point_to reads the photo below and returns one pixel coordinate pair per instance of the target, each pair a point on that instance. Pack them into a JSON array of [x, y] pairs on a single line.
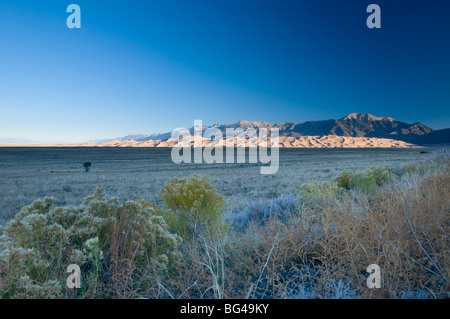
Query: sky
[[151, 66]]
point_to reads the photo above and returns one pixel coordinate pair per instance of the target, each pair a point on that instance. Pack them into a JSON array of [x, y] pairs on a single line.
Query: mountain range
[[353, 130], [353, 125]]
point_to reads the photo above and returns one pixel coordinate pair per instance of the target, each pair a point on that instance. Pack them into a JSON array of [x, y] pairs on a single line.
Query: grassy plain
[[309, 231], [27, 174]]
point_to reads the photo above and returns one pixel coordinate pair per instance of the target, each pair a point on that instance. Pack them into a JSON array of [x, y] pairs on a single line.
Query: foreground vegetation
[[317, 244]]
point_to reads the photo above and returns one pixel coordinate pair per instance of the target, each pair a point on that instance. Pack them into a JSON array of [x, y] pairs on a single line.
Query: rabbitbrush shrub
[[120, 247], [195, 205], [367, 181], [313, 193], [345, 179], [381, 174]]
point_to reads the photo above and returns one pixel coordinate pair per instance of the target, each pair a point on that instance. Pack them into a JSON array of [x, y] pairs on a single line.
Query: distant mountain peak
[[366, 117], [243, 123], [247, 124]]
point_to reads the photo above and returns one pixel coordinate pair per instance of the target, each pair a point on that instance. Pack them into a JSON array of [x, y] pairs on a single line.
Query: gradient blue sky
[[151, 66]]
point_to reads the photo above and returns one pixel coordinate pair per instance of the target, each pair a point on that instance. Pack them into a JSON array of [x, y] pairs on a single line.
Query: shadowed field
[[30, 173]]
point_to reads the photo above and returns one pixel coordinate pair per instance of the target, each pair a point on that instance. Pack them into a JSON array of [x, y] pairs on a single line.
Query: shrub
[[261, 211], [120, 247], [87, 166], [409, 169], [195, 205], [334, 289], [345, 179], [366, 182], [316, 192], [441, 157], [375, 176], [381, 174], [340, 290], [67, 188]]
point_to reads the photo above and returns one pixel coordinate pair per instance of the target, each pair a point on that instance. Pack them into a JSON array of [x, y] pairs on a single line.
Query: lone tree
[[87, 166]]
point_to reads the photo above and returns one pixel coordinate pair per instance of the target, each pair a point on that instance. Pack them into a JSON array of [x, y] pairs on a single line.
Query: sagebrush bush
[[120, 247], [441, 157], [195, 207], [261, 211]]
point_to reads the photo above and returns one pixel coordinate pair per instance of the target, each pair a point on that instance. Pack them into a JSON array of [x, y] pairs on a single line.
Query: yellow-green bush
[[367, 181], [409, 169], [102, 236], [372, 178], [381, 174], [345, 179], [195, 205], [316, 192]]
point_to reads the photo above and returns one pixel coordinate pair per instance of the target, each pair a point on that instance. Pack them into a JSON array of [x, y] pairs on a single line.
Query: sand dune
[[329, 141]]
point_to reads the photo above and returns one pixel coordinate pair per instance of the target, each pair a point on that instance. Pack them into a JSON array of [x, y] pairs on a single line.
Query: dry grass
[[318, 250], [27, 173], [403, 227]]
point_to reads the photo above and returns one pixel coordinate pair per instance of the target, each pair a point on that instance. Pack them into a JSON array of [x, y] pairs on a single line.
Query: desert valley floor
[[27, 174]]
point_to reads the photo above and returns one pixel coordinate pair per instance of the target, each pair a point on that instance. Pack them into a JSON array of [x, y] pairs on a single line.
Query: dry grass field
[[27, 174], [225, 231]]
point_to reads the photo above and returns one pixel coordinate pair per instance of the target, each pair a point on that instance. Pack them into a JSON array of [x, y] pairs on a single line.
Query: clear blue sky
[[150, 66]]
